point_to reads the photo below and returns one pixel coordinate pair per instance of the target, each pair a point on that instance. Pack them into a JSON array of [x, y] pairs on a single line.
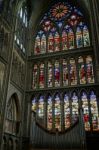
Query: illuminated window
[[67, 115], [65, 73], [85, 107], [57, 112], [73, 75], [49, 112], [89, 68], [35, 77], [41, 76], [74, 107], [57, 73], [94, 111], [34, 104], [50, 74], [82, 71]]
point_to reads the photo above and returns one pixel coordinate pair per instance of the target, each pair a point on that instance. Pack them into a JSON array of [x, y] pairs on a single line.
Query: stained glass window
[[67, 117], [74, 107], [35, 77], [82, 71], [79, 41], [43, 44], [50, 74], [94, 111], [64, 40], [60, 10], [57, 112], [41, 76], [37, 45], [71, 38], [65, 72], [86, 36], [57, 73], [57, 41], [49, 113], [85, 107], [34, 104], [40, 111], [51, 43], [89, 69], [73, 75]]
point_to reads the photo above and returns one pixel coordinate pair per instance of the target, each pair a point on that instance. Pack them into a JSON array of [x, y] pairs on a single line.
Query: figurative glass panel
[[74, 107], [50, 43], [49, 113], [94, 111], [57, 73], [43, 44], [50, 74], [82, 71], [41, 76], [67, 117], [35, 77], [71, 39], [65, 72], [86, 36], [73, 75], [34, 108], [85, 107], [37, 45], [79, 41], [57, 42], [57, 113], [64, 41], [89, 70]]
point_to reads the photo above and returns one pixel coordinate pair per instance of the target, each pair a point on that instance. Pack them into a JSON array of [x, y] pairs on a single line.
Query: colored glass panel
[[71, 39], [50, 43], [50, 73], [57, 73], [67, 111], [35, 77], [57, 41], [34, 104], [41, 76], [89, 69], [41, 108], [86, 36], [59, 11], [94, 111], [85, 111], [74, 107], [73, 75], [43, 44], [64, 41], [47, 24], [49, 113], [57, 113], [65, 73], [82, 71], [79, 41], [37, 45]]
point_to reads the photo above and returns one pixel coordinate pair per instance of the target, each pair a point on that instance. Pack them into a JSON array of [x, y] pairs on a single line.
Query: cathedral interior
[[49, 74]]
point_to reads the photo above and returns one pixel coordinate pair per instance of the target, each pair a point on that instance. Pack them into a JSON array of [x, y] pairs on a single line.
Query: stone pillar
[[94, 18]]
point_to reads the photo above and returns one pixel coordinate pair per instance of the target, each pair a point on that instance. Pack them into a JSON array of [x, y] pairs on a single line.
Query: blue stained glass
[[59, 24]]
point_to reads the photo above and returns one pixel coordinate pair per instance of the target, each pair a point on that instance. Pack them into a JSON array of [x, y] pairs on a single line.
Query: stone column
[[94, 19]]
